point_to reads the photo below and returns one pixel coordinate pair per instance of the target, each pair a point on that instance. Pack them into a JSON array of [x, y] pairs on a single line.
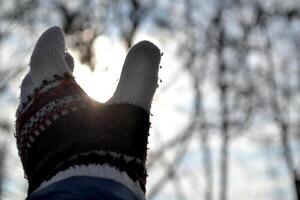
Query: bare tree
[[282, 82], [2, 161], [281, 97]]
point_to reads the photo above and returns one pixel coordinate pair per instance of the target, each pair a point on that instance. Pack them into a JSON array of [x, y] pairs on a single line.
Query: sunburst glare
[[101, 83]]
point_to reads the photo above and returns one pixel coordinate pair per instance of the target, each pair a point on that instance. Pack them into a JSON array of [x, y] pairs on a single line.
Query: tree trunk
[[207, 160], [224, 112], [297, 184], [288, 156]]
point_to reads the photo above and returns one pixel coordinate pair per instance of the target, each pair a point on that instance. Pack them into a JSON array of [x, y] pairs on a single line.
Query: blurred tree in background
[[231, 82]]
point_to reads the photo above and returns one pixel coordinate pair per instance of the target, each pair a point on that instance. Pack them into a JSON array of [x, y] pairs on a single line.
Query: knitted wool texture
[[58, 126]]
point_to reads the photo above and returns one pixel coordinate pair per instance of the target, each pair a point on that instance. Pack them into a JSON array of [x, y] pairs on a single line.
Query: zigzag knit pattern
[[60, 127]]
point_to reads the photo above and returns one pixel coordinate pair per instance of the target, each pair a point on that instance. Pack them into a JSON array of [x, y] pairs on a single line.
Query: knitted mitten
[[61, 132]]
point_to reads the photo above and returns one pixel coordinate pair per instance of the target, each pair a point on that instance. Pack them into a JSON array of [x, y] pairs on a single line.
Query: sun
[[98, 85], [102, 82]]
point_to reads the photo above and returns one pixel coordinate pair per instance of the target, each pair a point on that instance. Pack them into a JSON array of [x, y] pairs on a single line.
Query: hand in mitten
[[61, 132]]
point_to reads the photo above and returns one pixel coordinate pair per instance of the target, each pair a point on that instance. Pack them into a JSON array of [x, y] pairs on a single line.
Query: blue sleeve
[[84, 188]]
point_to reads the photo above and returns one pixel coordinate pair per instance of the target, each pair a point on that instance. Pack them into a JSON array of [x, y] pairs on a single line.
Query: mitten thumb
[[139, 76]]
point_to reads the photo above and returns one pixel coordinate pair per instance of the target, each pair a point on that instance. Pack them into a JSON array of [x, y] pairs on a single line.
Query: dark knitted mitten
[[61, 132]]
